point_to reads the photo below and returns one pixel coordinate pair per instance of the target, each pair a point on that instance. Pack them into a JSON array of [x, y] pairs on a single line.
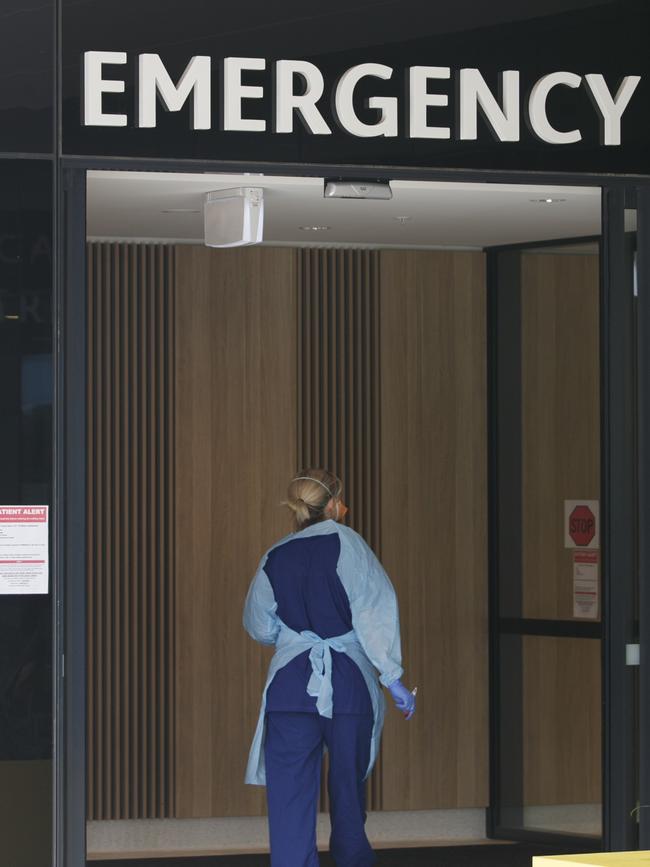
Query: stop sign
[[582, 525]]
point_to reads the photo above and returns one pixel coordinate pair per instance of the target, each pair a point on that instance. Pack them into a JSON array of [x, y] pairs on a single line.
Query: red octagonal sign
[[582, 525]]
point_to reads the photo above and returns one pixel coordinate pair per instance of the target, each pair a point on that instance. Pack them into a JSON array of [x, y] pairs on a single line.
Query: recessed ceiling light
[[314, 228], [547, 201], [181, 211]]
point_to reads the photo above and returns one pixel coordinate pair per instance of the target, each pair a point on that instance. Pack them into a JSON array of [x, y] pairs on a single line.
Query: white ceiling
[[135, 206]]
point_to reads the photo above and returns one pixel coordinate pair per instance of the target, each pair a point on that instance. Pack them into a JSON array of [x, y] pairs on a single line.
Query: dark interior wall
[[26, 391]]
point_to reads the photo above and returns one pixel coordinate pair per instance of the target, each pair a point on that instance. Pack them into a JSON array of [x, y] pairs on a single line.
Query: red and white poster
[[585, 584], [24, 549]]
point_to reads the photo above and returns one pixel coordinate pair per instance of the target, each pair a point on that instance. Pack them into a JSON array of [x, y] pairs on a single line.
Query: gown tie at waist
[[290, 644], [320, 657]]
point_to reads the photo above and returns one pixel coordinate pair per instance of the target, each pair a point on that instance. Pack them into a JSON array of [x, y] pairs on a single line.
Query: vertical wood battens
[[131, 521], [338, 385], [338, 374], [171, 538]]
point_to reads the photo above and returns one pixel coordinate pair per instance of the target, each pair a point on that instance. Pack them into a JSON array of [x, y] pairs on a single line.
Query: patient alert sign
[[23, 549], [581, 524], [585, 584]]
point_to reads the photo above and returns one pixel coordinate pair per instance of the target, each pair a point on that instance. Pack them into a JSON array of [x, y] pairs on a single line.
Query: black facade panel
[[27, 77], [535, 38]]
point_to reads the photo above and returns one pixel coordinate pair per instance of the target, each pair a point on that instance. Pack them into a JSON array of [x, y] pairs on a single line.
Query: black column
[[618, 468], [643, 475], [70, 531]]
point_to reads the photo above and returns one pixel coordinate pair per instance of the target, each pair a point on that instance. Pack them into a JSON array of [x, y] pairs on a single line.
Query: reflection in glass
[[25, 478]]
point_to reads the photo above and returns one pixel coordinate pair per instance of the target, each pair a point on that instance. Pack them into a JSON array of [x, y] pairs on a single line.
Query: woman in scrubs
[[321, 596]]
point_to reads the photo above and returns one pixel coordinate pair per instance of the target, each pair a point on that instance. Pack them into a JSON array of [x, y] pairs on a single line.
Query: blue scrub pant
[[293, 748]]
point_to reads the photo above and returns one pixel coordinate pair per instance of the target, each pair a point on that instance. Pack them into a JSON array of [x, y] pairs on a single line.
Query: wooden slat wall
[[131, 618], [338, 376], [339, 389], [373, 349], [236, 450], [434, 522]]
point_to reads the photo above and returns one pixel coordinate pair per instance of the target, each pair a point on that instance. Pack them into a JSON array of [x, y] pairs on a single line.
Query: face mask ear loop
[[311, 479]]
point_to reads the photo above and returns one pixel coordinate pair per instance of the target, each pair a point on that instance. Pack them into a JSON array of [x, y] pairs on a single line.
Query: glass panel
[[546, 331], [562, 734], [548, 442], [551, 737], [25, 479], [560, 387]]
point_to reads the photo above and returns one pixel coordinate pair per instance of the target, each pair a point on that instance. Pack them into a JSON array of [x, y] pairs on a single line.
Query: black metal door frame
[[625, 499], [643, 475], [69, 544], [508, 626], [618, 427], [618, 523]]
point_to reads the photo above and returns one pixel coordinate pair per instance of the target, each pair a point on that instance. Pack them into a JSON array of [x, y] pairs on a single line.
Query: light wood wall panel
[[434, 522], [131, 617], [236, 449], [339, 391], [561, 417]]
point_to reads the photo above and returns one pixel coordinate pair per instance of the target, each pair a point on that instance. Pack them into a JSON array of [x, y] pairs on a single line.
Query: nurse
[[321, 596]]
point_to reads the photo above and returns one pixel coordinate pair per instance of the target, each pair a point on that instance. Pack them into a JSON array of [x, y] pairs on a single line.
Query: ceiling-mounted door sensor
[[342, 189]]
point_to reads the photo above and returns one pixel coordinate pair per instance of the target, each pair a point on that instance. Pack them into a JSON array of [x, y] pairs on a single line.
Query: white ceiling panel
[[167, 207]]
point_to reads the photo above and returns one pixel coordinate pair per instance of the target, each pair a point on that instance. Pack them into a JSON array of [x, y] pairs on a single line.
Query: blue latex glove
[[403, 698]]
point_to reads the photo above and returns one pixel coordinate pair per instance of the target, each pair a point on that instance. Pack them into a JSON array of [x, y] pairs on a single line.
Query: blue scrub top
[[310, 596], [322, 579]]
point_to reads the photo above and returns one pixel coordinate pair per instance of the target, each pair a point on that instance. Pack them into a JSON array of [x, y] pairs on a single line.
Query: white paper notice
[[585, 584], [23, 549]]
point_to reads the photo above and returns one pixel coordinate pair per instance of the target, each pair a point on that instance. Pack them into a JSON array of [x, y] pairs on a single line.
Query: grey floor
[[510, 855]]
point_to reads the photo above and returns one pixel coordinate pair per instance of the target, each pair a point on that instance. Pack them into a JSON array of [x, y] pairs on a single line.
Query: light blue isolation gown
[[373, 643]]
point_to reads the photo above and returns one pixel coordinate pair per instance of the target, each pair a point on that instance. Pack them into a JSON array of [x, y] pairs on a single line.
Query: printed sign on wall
[[23, 549], [581, 524], [585, 584]]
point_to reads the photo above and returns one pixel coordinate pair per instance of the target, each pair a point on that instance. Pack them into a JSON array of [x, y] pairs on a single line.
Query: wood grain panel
[[561, 417], [434, 522], [131, 530], [339, 391], [562, 720], [236, 449]]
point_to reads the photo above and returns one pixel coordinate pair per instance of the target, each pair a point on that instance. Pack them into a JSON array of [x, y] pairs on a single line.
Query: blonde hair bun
[[309, 493]]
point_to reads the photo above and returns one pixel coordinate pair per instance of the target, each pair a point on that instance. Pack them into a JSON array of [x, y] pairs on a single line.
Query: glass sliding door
[[570, 534], [546, 586]]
